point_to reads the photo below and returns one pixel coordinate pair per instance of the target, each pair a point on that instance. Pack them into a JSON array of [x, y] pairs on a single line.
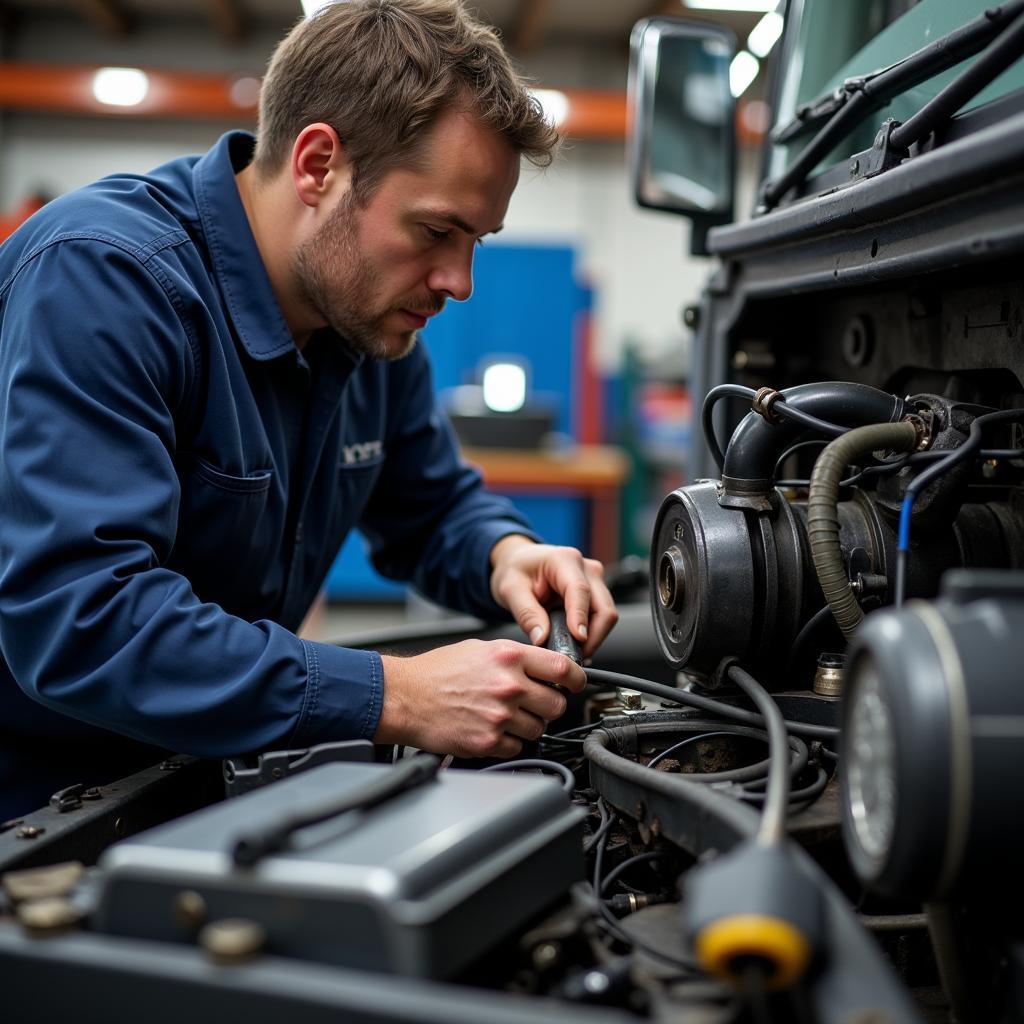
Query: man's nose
[[453, 277]]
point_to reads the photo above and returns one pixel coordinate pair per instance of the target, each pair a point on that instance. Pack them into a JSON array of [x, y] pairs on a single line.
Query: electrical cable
[[537, 764], [580, 730], [800, 754], [776, 804], [817, 442], [602, 829], [620, 869], [611, 923], [806, 420], [804, 794], [606, 679], [971, 445], [707, 409], [658, 758], [888, 468], [779, 408], [806, 631]]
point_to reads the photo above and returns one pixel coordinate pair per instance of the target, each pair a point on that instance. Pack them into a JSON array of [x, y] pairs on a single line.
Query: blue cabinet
[[526, 302]]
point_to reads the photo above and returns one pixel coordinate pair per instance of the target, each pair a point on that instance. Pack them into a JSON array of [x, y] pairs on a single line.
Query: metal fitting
[[763, 401], [922, 424], [828, 676], [631, 700]]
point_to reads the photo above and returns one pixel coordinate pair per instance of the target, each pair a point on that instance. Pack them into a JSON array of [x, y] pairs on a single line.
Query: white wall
[[636, 260]]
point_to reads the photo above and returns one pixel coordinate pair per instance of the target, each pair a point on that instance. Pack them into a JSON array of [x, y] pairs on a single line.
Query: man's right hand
[[474, 699]]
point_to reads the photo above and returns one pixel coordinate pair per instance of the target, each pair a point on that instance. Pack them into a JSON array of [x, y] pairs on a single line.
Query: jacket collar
[[237, 264]]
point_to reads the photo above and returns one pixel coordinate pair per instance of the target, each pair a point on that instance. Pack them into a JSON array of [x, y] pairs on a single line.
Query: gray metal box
[[420, 886]]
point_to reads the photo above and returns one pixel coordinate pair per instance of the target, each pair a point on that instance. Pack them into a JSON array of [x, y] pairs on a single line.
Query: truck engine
[[787, 793]]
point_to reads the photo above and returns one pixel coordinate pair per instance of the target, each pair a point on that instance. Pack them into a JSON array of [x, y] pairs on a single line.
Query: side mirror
[[682, 114]]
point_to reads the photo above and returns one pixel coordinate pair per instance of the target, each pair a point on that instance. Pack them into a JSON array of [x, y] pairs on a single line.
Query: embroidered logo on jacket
[[362, 451]]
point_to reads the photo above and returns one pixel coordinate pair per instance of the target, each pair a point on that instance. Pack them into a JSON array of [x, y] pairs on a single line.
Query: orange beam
[[68, 90], [595, 115], [592, 114]]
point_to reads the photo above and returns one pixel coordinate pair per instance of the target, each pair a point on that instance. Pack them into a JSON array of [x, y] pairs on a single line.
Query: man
[[209, 374]]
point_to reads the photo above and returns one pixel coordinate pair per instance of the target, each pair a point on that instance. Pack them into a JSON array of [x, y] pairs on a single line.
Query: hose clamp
[[763, 401], [921, 421]]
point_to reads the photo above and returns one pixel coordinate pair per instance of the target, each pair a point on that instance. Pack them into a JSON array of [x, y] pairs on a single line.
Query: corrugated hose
[[823, 515]]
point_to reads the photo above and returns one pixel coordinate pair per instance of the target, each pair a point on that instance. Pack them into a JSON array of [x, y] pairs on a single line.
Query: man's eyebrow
[[453, 218]]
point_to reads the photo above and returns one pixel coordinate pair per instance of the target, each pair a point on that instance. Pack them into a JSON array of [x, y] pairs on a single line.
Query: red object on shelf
[[11, 221]]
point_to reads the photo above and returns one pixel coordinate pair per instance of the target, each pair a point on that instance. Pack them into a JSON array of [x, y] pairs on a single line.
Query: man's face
[[375, 272]]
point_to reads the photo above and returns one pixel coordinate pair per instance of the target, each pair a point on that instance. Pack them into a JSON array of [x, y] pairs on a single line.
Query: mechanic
[[209, 374]]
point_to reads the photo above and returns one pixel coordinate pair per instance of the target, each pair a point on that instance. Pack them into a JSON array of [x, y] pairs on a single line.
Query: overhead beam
[[228, 19], [68, 90], [106, 15], [531, 24], [590, 113]]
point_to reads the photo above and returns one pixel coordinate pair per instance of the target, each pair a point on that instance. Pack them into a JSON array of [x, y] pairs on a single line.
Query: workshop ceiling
[[526, 24]]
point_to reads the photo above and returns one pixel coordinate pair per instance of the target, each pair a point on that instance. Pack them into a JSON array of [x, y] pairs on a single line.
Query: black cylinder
[[732, 581]]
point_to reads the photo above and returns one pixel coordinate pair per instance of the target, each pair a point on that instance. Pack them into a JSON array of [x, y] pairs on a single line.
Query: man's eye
[[434, 233]]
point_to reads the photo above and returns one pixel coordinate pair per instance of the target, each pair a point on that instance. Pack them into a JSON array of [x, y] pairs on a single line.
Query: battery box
[[421, 885]]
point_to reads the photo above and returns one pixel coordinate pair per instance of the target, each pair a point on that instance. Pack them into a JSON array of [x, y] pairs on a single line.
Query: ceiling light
[[245, 92], [742, 71], [555, 105], [731, 5], [120, 87], [504, 387], [765, 34]]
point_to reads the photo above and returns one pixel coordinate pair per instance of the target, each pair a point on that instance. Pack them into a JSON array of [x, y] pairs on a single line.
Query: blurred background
[[566, 371]]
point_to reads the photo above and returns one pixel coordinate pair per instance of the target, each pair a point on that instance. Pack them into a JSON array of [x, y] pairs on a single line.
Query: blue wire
[[903, 540]]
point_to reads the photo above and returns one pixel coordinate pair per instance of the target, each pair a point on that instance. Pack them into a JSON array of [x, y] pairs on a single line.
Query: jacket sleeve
[[429, 519], [96, 366]]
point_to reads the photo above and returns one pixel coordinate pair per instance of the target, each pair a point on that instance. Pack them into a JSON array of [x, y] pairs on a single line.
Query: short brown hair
[[380, 72]]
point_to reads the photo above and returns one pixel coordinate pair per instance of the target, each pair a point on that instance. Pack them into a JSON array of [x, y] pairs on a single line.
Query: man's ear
[[319, 164]]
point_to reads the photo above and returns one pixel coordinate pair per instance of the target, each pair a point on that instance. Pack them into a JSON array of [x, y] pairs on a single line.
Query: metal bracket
[[239, 778], [882, 156]]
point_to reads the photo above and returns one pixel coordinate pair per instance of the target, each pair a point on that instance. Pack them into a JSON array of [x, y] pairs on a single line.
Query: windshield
[[833, 40]]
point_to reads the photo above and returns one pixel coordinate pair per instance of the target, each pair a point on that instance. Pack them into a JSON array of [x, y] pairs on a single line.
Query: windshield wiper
[[860, 97], [819, 110]]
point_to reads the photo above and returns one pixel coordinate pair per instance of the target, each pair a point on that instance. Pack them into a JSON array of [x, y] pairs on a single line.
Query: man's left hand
[[526, 576]]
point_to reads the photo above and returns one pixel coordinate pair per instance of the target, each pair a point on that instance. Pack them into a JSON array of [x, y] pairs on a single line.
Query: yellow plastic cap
[[723, 945]]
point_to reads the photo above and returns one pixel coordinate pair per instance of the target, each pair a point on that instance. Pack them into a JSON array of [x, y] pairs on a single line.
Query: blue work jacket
[[176, 478]]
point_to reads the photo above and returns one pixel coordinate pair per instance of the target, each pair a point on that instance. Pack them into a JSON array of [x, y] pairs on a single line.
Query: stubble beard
[[341, 284]]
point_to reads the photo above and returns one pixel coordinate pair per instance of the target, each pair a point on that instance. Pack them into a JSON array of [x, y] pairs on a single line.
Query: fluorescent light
[[120, 87], [555, 105], [310, 7], [765, 34], [731, 5], [245, 92], [504, 386], [742, 71]]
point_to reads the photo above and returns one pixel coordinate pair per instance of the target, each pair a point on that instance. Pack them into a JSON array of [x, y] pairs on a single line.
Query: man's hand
[[474, 699], [527, 576]]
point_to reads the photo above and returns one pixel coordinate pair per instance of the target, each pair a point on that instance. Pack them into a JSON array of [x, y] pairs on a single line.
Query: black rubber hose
[[772, 829], [757, 444], [695, 700], [736, 821], [823, 515], [537, 764]]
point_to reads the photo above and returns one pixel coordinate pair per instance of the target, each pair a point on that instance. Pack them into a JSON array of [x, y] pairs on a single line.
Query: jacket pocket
[[251, 484], [230, 531]]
